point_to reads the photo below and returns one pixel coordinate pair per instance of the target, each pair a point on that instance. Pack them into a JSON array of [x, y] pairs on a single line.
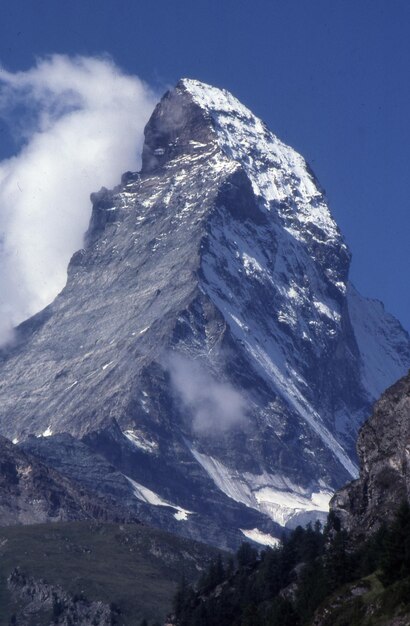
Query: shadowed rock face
[[35, 597], [222, 251], [31, 492], [384, 451]]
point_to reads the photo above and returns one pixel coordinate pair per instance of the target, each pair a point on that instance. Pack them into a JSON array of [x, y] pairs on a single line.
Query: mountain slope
[[74, 562], [210, 316], [31, 492]]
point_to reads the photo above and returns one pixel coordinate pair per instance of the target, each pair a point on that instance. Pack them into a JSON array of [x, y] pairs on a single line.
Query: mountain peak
[[177, 126], [209, 315], [212, 98], [194, 117]]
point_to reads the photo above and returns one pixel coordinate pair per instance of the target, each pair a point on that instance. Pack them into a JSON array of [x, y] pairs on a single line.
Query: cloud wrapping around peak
[[79, 122], [214, 406]]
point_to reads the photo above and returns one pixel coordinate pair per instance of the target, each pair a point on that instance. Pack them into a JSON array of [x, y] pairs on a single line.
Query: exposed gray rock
[[31, 492], [85, 464], [37, 597], [384, 449]]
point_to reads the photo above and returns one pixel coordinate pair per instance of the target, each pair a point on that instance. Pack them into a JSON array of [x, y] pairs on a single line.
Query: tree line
[[284, 586]]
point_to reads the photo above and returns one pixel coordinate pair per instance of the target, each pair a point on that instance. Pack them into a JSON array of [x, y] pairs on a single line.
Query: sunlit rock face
[[208, 342]]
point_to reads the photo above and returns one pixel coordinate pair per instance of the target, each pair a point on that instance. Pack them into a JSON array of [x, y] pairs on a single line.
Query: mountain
[[208, 344], [372, 500]]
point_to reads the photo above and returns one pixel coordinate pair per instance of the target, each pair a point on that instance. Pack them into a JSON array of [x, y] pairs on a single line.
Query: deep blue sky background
[[332, 79]]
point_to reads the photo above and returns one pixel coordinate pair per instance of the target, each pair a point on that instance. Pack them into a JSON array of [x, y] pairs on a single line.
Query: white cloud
[[80, 122], [214, 406]]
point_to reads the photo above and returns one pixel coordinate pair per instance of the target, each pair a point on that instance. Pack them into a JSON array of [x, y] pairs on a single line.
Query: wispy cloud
[[80, 125], [214, 406]]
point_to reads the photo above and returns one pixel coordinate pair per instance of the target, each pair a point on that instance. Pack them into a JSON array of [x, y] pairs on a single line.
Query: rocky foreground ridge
[[384, 451]]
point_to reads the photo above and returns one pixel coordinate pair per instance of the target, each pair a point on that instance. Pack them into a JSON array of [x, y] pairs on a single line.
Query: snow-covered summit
[[275, 169]]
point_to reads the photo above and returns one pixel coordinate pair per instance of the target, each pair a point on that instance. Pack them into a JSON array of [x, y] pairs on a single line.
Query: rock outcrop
[[32, 493], [39, 599], [384, 451]]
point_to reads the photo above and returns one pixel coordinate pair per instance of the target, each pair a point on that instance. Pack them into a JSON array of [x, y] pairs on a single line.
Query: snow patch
[[251, 265], [72, 385], [150, 497], [181, 515], [272, 494], [138, 439], [327, 311], [144, 330], [259, 537]]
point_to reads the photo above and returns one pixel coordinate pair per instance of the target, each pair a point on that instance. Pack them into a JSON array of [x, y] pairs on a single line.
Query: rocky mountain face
[[383, 448], [208, 344], [32, 493], [38, 599]]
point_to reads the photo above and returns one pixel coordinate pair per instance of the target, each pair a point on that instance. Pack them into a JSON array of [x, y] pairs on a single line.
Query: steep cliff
[[384, 452]]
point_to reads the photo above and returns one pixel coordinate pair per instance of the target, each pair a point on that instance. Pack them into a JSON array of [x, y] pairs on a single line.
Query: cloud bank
[[79, 122], [214, 406]]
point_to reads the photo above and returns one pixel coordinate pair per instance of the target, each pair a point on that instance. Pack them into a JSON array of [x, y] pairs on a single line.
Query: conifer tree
[[246, 555], [396, 559]]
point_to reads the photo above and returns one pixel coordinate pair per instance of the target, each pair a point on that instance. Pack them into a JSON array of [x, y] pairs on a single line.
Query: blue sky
[[329, 78]]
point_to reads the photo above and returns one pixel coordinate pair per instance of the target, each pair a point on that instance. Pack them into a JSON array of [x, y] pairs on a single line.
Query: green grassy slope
[[134, 566], [366, 602]]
